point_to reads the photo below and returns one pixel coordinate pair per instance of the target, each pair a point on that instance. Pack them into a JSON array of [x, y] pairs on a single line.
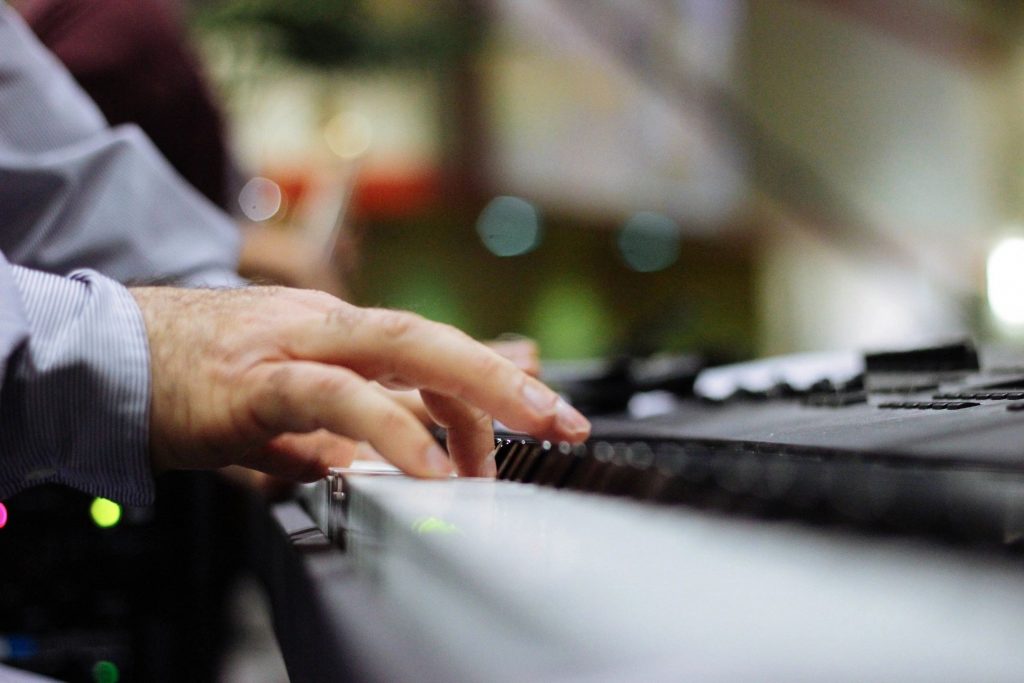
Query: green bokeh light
[[104, 671], [105, 513], [430, 295], [435, 525], [569, 321]]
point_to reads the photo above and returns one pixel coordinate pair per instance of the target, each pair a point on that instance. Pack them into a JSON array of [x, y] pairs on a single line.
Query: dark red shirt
[[132, 57]]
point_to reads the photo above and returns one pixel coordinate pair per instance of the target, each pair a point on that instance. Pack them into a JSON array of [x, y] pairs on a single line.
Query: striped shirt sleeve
[[74, 400]]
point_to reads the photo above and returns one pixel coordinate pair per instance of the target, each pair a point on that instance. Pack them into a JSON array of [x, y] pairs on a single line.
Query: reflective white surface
[[514, 581]]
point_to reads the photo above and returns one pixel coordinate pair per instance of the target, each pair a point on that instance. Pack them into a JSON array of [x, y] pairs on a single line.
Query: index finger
[[404, 348]]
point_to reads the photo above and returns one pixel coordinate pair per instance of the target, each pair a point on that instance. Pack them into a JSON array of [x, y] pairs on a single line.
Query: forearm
[[74, 401]]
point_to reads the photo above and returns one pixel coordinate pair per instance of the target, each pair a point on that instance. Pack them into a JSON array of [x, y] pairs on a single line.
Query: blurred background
[[722, 178], [733, 177]]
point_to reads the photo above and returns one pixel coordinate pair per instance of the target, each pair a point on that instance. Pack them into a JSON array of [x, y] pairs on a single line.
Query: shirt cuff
[[76, 404]]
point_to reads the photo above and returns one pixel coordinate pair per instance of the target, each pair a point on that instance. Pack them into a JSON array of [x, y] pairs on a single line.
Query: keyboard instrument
[[862, 526]]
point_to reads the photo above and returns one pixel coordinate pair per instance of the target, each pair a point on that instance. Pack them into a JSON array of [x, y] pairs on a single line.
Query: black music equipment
[[677, 546]]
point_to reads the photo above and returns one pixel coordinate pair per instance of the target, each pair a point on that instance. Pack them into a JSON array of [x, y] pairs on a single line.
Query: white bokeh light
[[1006, 281], [349, 135], [260, 199]]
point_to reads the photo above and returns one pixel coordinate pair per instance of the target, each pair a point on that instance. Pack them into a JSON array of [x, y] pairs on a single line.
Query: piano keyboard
[[508, 582], [623, 558], [766, 480]]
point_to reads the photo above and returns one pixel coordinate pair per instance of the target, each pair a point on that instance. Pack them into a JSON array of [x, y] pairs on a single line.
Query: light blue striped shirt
[[76, 194]]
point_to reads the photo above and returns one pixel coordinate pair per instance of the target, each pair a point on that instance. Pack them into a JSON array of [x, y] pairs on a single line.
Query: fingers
[[302, 457], [267, 485], [522, 352], [297, 396], [402, 348], [412, 402], [470, 434]]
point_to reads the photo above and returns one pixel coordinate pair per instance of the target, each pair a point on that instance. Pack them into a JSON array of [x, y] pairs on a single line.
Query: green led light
[[434, 525], [104, 671], [105, 513]]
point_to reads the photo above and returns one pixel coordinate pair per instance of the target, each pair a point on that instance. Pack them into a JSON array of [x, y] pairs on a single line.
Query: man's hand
[[280, 379]]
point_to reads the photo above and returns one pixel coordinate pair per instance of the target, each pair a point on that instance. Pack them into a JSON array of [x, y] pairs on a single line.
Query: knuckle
[[273, 389], [455, 333], [334, 384], [489, 365], [317, 299], [342, 316], [256, 411], [397, 324], [479, 419], [392, 421]]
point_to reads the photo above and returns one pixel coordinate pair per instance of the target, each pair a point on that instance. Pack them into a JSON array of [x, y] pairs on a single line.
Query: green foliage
[[330, 33]]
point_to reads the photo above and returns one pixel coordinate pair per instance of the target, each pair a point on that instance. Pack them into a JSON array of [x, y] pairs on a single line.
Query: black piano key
[[530, 463], [586, 465], [501, 448], [522, 454], [812, 478], [778, 477], [513, 451], [765, 479], [617, 476], [577, 457], [681, 472], [601, 465], [640, 461], [736, 470], [552, 467]]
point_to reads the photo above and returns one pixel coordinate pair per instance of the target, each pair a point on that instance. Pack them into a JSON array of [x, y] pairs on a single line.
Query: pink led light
[[3, 515]]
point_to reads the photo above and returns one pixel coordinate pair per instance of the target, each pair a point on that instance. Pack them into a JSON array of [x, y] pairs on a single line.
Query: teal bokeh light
[[649, 242], [509, 226]]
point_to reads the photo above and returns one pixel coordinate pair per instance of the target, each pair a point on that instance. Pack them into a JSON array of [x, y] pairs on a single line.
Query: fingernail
[[540, 399], [437, 461], [569, 419]]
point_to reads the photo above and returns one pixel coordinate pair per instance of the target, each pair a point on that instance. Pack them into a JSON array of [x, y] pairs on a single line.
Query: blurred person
[[132, 57], [195, 377]]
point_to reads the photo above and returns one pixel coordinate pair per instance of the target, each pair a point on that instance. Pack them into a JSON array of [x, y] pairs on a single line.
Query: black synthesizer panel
[[928, 441]]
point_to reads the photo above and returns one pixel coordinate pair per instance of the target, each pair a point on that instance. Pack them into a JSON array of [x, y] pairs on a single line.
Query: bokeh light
[[105, 513], [14, 648], [509, 226], [105, 671], [349, 135], [3, 515], [435, 525], [649, 242], [433, 297], [260, 199], [1006, 281], [570, 321]]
